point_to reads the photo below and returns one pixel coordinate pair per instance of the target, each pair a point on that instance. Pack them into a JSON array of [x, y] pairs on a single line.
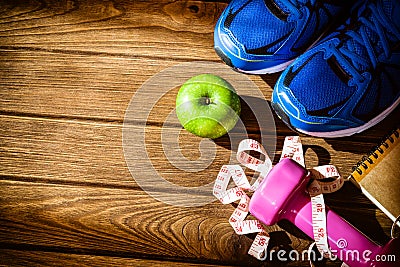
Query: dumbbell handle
[[345, 241]]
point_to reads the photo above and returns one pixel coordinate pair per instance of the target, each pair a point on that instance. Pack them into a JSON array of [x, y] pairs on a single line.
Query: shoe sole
[[269, 70], [221, 52], [334, 134]]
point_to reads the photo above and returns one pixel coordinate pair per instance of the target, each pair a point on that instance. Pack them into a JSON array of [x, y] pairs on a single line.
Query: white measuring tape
[[292, 148], [226, 196], [316, 189]]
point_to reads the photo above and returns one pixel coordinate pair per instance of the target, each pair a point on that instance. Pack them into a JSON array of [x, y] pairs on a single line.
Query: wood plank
[[71, 151], [11, 257], [167, 29], [101, 88], [71, 85], [91, 152]]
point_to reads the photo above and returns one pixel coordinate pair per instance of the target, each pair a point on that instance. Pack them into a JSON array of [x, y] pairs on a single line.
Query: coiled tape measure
[[292, 148]]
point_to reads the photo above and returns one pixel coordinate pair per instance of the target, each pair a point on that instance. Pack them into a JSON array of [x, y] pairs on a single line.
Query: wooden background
[[68, 72]]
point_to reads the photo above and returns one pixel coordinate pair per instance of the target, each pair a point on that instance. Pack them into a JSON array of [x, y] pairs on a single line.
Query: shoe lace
[[371, 33]]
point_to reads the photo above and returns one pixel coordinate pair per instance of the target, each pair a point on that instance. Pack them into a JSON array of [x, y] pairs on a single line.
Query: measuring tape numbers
[[325, 179]]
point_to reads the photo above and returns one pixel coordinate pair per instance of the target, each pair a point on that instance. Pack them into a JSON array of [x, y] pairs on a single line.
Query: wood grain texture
[[69, 196], [166, 29], [40, 258], [91, 152], [119, 223], [124, 223]]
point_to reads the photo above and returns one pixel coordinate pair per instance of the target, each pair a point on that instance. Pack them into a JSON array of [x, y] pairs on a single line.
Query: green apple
[[207, 106]]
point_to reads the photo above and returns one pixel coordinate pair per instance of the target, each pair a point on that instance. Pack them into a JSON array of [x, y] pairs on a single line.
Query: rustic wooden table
[[69, 194]]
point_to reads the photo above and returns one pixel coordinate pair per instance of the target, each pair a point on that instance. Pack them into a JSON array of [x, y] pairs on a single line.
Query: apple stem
[[205, 100]]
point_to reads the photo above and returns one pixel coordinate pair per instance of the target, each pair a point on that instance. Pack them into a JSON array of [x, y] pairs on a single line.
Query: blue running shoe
[[264, 36], [348, 82]]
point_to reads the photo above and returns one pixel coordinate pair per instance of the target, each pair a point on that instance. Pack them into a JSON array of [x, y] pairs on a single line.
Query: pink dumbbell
[[283, 195]]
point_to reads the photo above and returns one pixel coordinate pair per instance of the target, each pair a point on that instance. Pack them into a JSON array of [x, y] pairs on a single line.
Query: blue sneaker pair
[[344, 84]]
